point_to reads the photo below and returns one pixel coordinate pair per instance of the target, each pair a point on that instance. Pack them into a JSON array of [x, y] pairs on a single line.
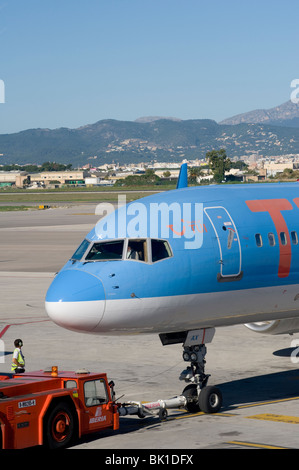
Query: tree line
[[217, 162], [46, 166]]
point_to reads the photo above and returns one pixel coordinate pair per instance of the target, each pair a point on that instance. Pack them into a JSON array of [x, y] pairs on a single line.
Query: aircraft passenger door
[[228, 242]]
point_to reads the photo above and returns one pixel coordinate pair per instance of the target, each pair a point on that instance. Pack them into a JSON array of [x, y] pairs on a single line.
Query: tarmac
[[257, 374]]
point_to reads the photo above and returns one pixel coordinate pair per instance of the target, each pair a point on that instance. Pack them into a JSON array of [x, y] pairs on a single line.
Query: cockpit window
[[104, 251], [81, 250], [160, 250], [137, 249]]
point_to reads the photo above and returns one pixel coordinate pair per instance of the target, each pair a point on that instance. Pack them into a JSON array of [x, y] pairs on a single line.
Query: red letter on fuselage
[[296, 201], [274, 208]]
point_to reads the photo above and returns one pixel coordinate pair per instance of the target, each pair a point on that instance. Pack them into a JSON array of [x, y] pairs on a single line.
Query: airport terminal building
[[45, 179]]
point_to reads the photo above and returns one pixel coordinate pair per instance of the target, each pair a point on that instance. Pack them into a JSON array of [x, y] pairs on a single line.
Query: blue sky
[[67, 63]]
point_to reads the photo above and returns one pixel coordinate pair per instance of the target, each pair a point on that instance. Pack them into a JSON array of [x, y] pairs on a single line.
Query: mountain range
[[287, 115], [263, 132]]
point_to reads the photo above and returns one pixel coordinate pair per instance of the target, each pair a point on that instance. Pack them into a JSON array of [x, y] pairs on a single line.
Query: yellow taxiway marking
[[280, 400], [273, 417], [84, 213], [193, 415], [253, 444]]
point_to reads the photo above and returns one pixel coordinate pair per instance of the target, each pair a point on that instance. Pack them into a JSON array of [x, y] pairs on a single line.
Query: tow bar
[[158, 407]]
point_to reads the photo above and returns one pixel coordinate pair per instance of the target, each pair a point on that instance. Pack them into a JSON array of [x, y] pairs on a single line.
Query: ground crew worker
[[18, 360]]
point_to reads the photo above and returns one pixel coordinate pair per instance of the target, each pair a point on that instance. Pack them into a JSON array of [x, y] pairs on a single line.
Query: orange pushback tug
[[54, 408]]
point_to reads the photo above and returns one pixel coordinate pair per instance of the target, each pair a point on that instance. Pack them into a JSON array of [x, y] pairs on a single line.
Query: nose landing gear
[[199, 396]]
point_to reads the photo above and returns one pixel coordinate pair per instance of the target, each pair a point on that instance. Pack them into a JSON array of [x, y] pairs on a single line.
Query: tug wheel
[[60, 426]]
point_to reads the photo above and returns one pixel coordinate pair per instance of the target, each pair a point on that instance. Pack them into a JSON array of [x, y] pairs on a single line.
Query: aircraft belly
[[183, 312]]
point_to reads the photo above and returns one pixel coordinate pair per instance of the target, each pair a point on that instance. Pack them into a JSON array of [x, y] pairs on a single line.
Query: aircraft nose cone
[[76, 300]]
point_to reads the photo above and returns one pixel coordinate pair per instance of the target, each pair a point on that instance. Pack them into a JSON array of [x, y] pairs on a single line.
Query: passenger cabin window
[[137, 250], [258, 239], [95, 392], [294, 238], [160, 250], [81, 250], [106, 251], [271, 238], [283, 238]]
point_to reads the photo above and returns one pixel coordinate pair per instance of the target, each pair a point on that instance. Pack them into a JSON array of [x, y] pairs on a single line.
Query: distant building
[[173, 173], [13, 178], [97, 181], [48, 178], [274, 168], [43, 179]]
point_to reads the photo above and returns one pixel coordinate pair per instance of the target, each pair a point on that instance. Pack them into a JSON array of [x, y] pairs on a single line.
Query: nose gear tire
[[210, 399]]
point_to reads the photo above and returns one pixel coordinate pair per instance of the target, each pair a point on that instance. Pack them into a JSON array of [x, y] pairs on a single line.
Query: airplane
[[182, 263]]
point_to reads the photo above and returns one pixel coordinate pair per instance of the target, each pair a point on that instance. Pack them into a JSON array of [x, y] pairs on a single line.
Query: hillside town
[[255, 169]]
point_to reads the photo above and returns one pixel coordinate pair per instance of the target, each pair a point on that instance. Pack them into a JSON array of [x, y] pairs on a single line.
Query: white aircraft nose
[[76, 300]]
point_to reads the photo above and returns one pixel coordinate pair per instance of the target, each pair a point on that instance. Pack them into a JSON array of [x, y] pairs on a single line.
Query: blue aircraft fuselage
[[204, 257]]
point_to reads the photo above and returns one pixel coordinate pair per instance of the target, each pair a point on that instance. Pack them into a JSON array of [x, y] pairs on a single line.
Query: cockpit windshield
[[106, 251], [81, 250], [138, 249]]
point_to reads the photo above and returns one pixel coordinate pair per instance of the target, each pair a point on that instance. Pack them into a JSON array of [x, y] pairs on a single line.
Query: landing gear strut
[[199, 396]]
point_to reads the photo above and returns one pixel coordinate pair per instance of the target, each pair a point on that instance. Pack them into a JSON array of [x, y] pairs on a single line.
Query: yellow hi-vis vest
[[20, 361]]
